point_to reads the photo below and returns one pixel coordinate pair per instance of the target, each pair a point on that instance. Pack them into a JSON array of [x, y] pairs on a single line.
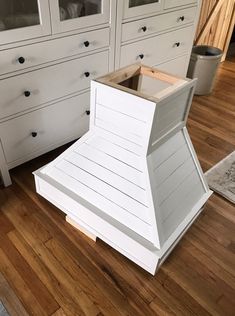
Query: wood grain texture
[[10, 300], [53, 269], [216, 24]]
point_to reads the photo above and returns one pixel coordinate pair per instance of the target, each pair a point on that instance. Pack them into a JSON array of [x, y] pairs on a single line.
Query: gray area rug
[[221, 177], [3, 311]]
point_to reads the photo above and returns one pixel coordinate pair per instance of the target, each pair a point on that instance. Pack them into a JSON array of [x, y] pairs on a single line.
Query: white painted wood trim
[[155, 212], [4, 168], [196, 161], [141, 9]]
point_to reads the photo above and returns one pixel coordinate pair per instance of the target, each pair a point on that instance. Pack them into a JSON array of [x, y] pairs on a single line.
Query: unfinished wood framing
[[216, 24]]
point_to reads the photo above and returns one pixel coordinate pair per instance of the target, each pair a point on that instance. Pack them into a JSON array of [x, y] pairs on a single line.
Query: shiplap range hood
[[133, 180]]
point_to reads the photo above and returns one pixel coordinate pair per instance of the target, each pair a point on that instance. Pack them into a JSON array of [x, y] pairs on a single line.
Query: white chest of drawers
[[46, 63], [50, 49], [158, 34]]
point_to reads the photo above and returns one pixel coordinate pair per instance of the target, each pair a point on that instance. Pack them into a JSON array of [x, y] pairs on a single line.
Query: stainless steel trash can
[[203, 65]]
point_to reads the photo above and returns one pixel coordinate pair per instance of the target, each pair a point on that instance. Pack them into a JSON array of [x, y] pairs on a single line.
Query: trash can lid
[[206, 52]]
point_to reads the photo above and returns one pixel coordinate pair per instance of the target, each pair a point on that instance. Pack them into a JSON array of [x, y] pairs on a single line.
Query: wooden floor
[[48, 268]]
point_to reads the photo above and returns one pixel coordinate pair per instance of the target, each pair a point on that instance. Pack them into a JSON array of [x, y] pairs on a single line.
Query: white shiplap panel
[[122, 132], [123, 121], [117, 152], [125, 102], [125, 171], [174, 115], [175, 180], [170, 165], [165, 128], [182, 209], [120, 141], [176, 106], [114, 195], [167, 149], [104, 204], [171, 114], [107, 176], [185, 188]]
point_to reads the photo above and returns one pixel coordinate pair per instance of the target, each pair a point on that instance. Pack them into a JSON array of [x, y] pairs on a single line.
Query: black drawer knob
[[27, 94], [88, 112], [177, 44], [144, 28], [86, 43], [181, 18], [34, 134], [21, 60], [141, 56], [87, 74]]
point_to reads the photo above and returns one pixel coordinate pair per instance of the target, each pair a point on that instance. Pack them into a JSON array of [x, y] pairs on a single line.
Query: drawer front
[[32, 55], [144, 27], [176, 3], [53, 124], [50, 83], [176, 66], [156, 50]]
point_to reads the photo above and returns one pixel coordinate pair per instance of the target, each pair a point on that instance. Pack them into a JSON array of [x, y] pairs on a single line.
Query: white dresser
[[158, 34], [51, 49]]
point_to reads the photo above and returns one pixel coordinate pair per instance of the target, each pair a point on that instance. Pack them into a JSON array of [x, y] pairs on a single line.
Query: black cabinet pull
[[34, 134], [141, 56], [177, 44], [21, 60], [181, 18], [88, 112], [27, 94], [144, 28], [86, 43], [87, 74]]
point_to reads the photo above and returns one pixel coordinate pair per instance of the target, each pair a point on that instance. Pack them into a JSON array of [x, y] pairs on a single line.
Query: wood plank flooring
[[49, 268]]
